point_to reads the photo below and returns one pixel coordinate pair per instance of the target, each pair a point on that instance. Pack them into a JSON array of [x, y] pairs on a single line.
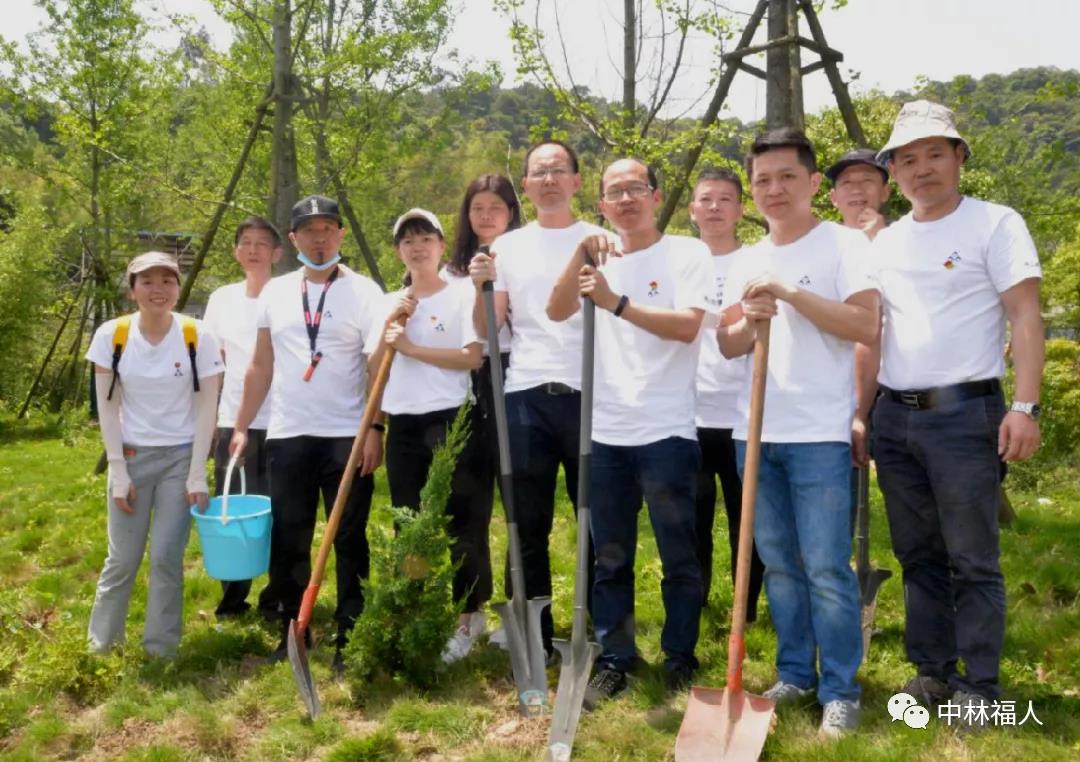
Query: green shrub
[[409, 613], [1060, 423], [380, 746]]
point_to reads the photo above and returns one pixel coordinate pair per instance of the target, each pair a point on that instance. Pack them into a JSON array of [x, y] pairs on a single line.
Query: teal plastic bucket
[[235, 533]]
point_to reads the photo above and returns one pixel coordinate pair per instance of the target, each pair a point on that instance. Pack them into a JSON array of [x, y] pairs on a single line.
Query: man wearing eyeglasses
[[651, 292], [543, 382]]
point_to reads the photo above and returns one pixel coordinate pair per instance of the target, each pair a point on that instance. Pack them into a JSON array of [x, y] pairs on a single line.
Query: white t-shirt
[[941, 285], [443, 321], [528, 261], [719, 380], [465, 282], [810, 390], [230, 316], [645, 384], [331, 404], [156, 392]]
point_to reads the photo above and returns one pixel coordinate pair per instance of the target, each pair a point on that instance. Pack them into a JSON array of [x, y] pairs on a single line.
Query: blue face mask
[[318, 268]]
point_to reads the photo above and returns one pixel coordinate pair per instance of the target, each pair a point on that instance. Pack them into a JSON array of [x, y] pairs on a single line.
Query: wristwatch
[[1030, 409]]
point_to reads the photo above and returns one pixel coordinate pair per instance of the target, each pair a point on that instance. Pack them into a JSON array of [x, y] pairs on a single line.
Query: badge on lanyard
[[312, 322]]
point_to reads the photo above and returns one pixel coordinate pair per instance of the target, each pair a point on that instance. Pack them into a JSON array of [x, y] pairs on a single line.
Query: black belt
[[555, 388], [925, 399]]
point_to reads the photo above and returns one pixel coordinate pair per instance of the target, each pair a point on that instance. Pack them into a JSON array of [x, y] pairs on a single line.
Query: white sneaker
[[499, 638], [458, 647], [839, 718], [477, 624]]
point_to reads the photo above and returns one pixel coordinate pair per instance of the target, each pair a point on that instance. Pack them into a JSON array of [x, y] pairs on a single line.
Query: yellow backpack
[[120, 337]]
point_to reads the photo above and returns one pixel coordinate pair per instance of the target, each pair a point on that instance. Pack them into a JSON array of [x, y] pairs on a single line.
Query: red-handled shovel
[[730, 723]]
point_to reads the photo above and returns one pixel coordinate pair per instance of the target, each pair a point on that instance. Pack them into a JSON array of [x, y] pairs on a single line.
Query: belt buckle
[[911, 399]]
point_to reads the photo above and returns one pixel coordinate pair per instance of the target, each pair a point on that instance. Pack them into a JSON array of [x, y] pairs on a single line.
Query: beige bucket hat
[[918, 120]]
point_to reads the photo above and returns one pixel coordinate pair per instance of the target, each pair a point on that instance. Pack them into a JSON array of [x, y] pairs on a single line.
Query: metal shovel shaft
[[579, 654], [521, 617]]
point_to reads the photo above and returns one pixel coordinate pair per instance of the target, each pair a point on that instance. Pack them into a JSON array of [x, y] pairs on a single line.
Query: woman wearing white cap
[[157, 387], [429, 381]]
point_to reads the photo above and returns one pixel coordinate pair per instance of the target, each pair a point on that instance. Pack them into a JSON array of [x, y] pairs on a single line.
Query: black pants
[[302, 468], [940, 474], [234, 594], [718, 460], [544, 433], [411, 442]]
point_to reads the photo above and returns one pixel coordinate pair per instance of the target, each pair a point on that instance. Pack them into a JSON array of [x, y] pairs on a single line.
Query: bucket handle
[[228, 485]]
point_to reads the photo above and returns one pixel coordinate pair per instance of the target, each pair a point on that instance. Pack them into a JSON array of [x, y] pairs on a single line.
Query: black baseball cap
[[313, 206], [858, 156]]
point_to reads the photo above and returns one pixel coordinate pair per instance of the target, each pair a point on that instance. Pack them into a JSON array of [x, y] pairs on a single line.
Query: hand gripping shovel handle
[[736, 647], [371, 409]]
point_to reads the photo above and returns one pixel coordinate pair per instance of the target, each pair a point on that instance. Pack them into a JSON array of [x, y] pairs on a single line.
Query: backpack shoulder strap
[[119, 341]]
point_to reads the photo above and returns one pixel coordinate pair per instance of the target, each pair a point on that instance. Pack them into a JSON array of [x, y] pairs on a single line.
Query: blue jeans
[[939, 471], [803, 533], [664, 473]]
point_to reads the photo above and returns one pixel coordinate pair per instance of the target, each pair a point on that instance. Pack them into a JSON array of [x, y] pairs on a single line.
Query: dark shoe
[[677, 676], [928, 690], [338, 665], [605, 684], [231, 611], [969, 712], [281, 653]]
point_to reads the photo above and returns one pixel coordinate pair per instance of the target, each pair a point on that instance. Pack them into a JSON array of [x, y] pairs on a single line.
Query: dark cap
[[858, 156], [313, 206]]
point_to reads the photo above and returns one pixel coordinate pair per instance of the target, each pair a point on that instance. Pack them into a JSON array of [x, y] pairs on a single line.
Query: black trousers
[[302, 468], [718, 460], [544, 431], [234, 594], [411, 442]]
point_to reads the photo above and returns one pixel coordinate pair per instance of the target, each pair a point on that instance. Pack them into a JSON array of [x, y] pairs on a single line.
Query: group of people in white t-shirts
[[914, 320]]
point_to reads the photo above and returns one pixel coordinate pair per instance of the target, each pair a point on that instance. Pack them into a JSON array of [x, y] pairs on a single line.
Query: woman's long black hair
[[466, 242]]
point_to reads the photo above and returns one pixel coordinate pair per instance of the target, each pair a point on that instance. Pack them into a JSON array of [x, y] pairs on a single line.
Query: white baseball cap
[[417, 213]]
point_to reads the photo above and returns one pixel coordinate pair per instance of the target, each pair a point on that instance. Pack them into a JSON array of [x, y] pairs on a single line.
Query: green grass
[[217, 700]]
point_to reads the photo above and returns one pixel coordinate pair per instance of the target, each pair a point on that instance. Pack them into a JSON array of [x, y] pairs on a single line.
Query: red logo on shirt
[[654, 288], [952, 261], [178, 370], [437, 325]]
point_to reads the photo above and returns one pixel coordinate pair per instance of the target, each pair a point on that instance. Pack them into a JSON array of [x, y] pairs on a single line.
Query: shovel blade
[[573, 680], [721, 724], [868, 590], [527, 657], [298, 660]]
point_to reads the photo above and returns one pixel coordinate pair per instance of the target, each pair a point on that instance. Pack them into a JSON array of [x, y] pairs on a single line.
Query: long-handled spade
[[730, 723], [579, 654], [870, 579], [297, 627], [520, 616]]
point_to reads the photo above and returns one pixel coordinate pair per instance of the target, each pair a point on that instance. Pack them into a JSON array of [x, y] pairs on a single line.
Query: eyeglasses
[[556, 173], [635, 191]]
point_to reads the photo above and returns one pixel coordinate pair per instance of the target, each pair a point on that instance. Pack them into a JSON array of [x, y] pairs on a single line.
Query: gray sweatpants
[[159, 475]]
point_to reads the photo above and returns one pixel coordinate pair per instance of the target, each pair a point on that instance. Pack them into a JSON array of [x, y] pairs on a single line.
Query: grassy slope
[[217, 701]]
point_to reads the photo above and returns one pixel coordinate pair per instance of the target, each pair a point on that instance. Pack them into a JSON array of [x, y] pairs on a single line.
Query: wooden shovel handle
[[371, 409], [751, 467]]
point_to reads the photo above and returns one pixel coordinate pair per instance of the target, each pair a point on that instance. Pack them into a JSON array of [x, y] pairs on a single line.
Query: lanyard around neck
[[312, 322]]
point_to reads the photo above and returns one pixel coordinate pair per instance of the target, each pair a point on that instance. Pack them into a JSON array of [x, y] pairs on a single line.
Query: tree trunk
[[284, 184], [629, 99], [783, 86]]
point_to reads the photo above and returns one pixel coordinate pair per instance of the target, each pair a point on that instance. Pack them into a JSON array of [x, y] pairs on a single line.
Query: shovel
[[520, 617], [730, 723], [297, 627], [870, 579], [579, 654]]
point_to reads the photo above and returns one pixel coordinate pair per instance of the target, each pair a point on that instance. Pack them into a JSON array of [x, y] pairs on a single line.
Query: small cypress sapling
[[409, 612]]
